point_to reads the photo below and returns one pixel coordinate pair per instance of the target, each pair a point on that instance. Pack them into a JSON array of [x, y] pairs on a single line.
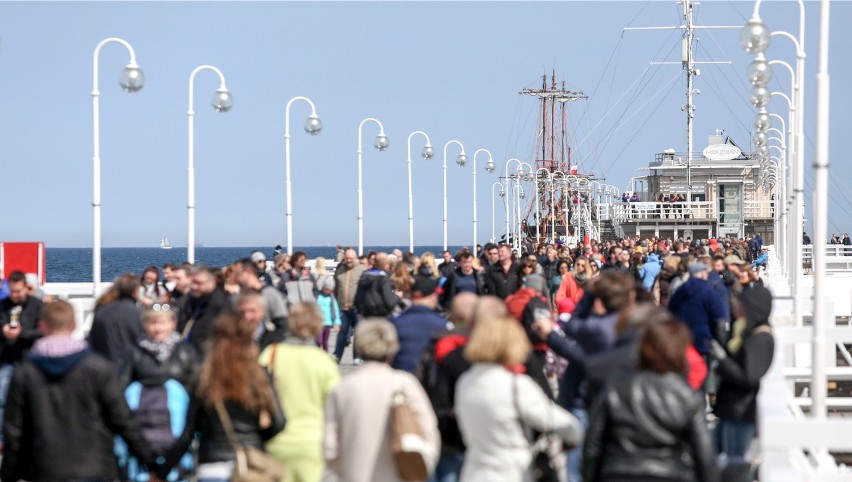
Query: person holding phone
[[19, 315]]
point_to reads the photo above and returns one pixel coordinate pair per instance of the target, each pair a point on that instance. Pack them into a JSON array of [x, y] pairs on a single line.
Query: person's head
[[662, 348], [230, 370], [281, 262], [615, 254], [203, 282], [125, 286], [466, 263], [551, 254], [489, 306], [562, 268], [150, 276], [57, 318], [583, 268], [319, 266], [624, 257], [376, 340], [613, 291], [718, 264], [699, 270], [181, 279], [251, 307], [504, 253], [246, 274], [259, 259], [640, 315], [498, 339], [159, 322], [423, 291], [298, 260], [492, 253], [327, 286], [525, 267], [305, 321], [364, 261], [428, 266], [168, 271], [381, 262], [447, 256], [350, 258], [18, 287], [462, 308]]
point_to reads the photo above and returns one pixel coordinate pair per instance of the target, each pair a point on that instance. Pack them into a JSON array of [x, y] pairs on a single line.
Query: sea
[[66, 265]]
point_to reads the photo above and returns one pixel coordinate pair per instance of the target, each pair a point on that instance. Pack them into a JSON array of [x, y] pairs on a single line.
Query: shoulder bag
[[251, 464], [542, 467], [409, 446]]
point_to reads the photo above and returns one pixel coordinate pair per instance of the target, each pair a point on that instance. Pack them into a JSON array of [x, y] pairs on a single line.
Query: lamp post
[[489, 168], [502, 194], [537, 215], [222, 101], [381, 143], [521, 195], [427, 153], [313, 126], [131, 79], [461, 160], [508, 192]]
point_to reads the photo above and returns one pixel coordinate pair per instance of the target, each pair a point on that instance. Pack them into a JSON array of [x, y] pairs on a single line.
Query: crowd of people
[[635, 359]]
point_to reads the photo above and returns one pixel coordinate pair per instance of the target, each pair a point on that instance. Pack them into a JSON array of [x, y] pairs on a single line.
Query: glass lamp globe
[[428, 152], [313, 125], [131, 79], [755, 36], [461, 160], [222, 100], [489, 166], [762, 150], [762, 122], [760, 96], [759, 72], [759, 139], [381, 143]]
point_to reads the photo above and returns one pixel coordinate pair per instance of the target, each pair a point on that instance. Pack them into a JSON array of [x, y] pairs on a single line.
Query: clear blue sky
[[451, 69]]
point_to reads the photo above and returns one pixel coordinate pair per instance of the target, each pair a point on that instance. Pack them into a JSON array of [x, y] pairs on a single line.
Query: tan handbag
[[251, 464], [409, 446]]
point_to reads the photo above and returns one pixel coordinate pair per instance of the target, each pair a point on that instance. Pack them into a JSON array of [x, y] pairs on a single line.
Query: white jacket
[[497, 448]]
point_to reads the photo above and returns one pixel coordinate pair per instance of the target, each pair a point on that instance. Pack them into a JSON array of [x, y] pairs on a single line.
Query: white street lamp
[[427, 153], [489, 168], [502, 194], [131, 79], [508, 192], [222, 101], [381, 143], [313, 126], [461, 160]]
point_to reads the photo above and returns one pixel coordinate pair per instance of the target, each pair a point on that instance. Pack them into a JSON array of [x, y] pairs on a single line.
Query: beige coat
[[356, 445], [346, 284]]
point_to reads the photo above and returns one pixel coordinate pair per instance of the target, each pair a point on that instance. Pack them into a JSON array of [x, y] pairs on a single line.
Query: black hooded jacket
[[62, 414], [116, 328], [741, 371]]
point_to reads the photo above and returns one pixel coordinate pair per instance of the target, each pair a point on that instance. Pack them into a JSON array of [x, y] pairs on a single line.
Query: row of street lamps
[[755, 37], [132, 79]]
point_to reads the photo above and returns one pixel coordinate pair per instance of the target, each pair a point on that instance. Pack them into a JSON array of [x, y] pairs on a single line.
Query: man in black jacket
[[204, 303], [501, 278], [62, 396], [18, 317], [463, 279], [117, 326]]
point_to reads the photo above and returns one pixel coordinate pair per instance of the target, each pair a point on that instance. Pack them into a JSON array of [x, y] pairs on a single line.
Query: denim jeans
[[5, 379], [575, 456], [449, 467], [733, 439], [348, 322]]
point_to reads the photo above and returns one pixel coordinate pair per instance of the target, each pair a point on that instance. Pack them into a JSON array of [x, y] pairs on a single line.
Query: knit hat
[[328, 283], [257, 256], [423, 286], [536, 282], [697, 268]]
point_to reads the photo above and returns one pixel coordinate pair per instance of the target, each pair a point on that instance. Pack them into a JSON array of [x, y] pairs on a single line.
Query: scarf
[[161, 350]]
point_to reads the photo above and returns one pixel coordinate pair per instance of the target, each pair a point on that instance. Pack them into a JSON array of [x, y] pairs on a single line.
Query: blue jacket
[[698, 305], [650, 270], [414, 327], [760, 260], [330, 310], [585, 337]]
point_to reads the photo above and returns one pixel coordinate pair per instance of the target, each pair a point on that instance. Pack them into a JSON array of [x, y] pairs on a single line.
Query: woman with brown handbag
[[234, 410]]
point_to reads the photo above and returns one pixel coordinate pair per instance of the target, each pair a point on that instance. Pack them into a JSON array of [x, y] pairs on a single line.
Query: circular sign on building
[[721, 152]]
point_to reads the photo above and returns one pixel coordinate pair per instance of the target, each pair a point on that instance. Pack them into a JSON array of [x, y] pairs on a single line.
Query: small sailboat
[[164, 243]]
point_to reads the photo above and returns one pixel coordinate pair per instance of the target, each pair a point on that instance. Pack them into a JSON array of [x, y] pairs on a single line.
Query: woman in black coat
[[650, 425]]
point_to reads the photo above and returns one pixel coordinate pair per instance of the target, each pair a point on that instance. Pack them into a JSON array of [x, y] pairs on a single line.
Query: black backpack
[[369, 299]]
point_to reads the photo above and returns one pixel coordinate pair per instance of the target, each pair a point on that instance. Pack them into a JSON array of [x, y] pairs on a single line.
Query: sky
[[451, 69]]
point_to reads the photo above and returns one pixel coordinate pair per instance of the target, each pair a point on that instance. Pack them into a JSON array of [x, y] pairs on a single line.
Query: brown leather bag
[[251, 464], [409, 446]]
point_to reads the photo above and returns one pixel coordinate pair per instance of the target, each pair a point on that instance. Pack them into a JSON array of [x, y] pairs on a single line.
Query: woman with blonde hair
[[304, 376], [320, 272], [233, 384], [497, 409], [357, 445], [428, 266]]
